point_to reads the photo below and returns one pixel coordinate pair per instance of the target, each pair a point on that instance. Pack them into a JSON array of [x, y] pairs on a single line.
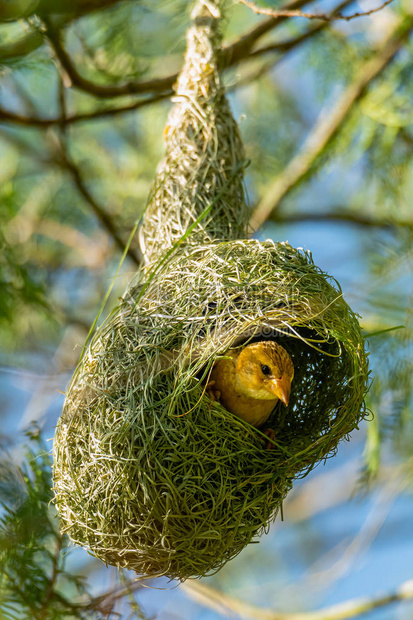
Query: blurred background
[[325, 108]]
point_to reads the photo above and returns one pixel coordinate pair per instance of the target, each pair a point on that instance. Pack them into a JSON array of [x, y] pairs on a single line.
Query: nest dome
[[150, 473]]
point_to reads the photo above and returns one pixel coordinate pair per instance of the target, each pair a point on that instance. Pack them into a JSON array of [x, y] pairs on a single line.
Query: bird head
[[264, 370]]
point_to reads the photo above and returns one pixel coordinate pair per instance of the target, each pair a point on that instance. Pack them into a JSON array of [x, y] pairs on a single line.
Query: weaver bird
[[252, 380]]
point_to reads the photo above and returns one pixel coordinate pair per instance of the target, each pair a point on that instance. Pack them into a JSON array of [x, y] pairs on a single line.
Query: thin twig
[[323, 16], [328, 125]]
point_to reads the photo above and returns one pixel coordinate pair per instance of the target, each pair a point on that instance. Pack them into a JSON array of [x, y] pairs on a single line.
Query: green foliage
[[35, 582], [18, 286], [377, 136], [32, 552]]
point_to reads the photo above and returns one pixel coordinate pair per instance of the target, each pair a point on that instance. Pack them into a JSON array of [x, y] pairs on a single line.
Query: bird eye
[[265, 369]]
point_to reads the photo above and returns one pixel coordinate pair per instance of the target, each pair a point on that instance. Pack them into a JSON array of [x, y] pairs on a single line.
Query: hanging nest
[[150, 474]]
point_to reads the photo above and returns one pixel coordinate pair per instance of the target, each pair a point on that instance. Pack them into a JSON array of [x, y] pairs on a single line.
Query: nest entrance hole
[[318, 365]]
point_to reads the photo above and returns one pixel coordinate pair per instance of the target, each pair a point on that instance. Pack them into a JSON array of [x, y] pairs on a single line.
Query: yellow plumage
[[249, 381]]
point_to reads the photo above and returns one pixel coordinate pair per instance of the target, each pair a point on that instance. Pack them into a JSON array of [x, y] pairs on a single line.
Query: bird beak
[[281, 388]]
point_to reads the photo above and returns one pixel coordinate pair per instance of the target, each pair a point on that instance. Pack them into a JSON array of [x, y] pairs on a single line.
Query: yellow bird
[[252, 381]]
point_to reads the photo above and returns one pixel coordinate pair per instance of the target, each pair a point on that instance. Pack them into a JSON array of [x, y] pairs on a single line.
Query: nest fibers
[[150, 474]]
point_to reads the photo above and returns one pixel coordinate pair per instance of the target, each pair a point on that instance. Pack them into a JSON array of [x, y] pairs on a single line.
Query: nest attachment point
[[150, 474]]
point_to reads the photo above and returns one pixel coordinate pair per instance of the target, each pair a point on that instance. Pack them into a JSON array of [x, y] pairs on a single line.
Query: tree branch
[[157, 85], [323, 16], [99, 211], [10, 117], [243, 46], [289, 44], [328, 126], [349, 217], [7, 116], [349, 609], [231, 55], [282, 46]]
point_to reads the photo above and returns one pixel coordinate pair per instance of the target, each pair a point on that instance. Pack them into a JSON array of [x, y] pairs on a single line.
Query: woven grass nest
[[150, 474]]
